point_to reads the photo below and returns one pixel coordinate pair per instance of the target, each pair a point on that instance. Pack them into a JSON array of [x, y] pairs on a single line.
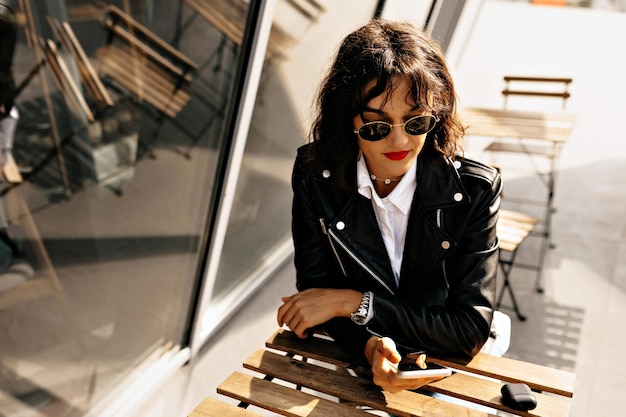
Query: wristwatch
[[360, 315]]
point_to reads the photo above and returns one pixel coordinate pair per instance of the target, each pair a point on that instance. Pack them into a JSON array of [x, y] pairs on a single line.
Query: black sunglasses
[[379, 130]]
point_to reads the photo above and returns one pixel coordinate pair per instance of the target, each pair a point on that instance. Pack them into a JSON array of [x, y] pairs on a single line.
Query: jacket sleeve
[[459, 324], [316, 266]]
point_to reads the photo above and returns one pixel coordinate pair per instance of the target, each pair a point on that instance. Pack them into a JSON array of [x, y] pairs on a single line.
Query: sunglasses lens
[[374, 131], [419, 125]]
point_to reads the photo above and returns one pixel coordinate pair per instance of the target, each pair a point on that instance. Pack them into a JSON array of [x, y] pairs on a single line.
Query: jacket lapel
[[427, 244], [362, 235]]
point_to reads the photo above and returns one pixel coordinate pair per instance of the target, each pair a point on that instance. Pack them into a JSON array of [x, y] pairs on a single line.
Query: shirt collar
[[401, 196]]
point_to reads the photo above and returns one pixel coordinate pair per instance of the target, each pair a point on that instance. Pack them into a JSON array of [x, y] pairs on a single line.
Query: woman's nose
[[397, 136]]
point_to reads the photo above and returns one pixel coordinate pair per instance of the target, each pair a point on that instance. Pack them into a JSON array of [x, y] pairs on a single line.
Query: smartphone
[[413, 370]]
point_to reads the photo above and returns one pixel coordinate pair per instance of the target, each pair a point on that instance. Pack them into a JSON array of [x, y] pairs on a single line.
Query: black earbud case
[[518, 397]]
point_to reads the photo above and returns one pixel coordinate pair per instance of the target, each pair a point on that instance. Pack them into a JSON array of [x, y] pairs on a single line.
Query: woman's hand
[[384, 358], [314, 306]]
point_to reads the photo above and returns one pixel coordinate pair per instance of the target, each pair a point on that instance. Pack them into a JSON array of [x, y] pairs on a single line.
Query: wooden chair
[[529, 86], [87, 97], [543, 155], [140, 62], [512, 229], [137, 61]]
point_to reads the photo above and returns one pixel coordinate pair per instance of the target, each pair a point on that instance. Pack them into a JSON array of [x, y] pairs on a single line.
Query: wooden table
[[550, 127], [314, 377]]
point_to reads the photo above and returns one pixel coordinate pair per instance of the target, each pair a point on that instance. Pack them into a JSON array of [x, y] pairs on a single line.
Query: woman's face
[[391, 157]]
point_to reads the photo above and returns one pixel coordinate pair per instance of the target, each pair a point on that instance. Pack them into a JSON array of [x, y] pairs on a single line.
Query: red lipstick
[[396, 156]]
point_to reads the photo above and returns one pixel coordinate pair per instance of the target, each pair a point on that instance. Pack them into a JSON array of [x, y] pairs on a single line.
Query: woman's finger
[[387, 347]]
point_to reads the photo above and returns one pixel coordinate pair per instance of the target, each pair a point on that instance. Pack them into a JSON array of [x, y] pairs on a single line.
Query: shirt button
[[326, 173], [457, 164], [445, 244], [458, 197], [341, 225]]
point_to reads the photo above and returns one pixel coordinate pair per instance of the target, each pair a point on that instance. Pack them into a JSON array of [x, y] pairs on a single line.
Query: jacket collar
[[439, 183]]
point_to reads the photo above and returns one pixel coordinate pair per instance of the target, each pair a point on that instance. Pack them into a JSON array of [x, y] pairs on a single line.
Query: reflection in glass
[[260, 221], [121, 119]]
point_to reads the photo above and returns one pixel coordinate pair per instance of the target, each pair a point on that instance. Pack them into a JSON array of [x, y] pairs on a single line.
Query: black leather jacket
[[444, 302]]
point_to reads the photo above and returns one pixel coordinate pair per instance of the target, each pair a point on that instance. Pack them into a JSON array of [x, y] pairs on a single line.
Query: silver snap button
[[457, 164], [326, 173], [458, 197], [341, 225], [445, 244]]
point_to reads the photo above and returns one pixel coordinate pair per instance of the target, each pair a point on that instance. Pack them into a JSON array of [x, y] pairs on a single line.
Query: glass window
[[301, 44], [119, 121], [114, 123]]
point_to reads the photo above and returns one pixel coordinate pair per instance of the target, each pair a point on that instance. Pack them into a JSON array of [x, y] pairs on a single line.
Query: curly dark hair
[[379, 51]]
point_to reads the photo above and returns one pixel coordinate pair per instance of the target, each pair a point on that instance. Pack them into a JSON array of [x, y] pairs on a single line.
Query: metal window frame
[[207, 316]]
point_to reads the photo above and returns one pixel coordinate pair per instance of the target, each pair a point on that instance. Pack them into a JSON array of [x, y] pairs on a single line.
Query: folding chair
[[542, 154], [512, 229]]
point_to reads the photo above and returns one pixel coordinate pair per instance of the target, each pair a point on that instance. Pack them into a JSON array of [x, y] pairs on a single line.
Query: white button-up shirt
[[392, 212]]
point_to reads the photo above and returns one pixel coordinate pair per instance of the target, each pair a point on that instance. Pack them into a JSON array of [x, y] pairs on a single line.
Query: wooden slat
[[538, 377], [315, 347], [511, 131], [518, 217], [513, 227], [487, 392], [353, 389], [89, 74], [510, 243], [136, 85], [536, 87], [524, 148], [280, 399], [146, 50], [509, 92], [141, 79], [65, 80], [555, 118], [554, 127], [133, 24], [211, 407], [565, 80], [130, 65]]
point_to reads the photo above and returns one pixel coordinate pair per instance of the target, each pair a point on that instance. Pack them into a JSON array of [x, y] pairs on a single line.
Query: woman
[[394, 232]]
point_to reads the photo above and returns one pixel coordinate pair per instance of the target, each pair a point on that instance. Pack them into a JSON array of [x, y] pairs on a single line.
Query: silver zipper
[[443, 263], [343, 269], [358, 261]]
